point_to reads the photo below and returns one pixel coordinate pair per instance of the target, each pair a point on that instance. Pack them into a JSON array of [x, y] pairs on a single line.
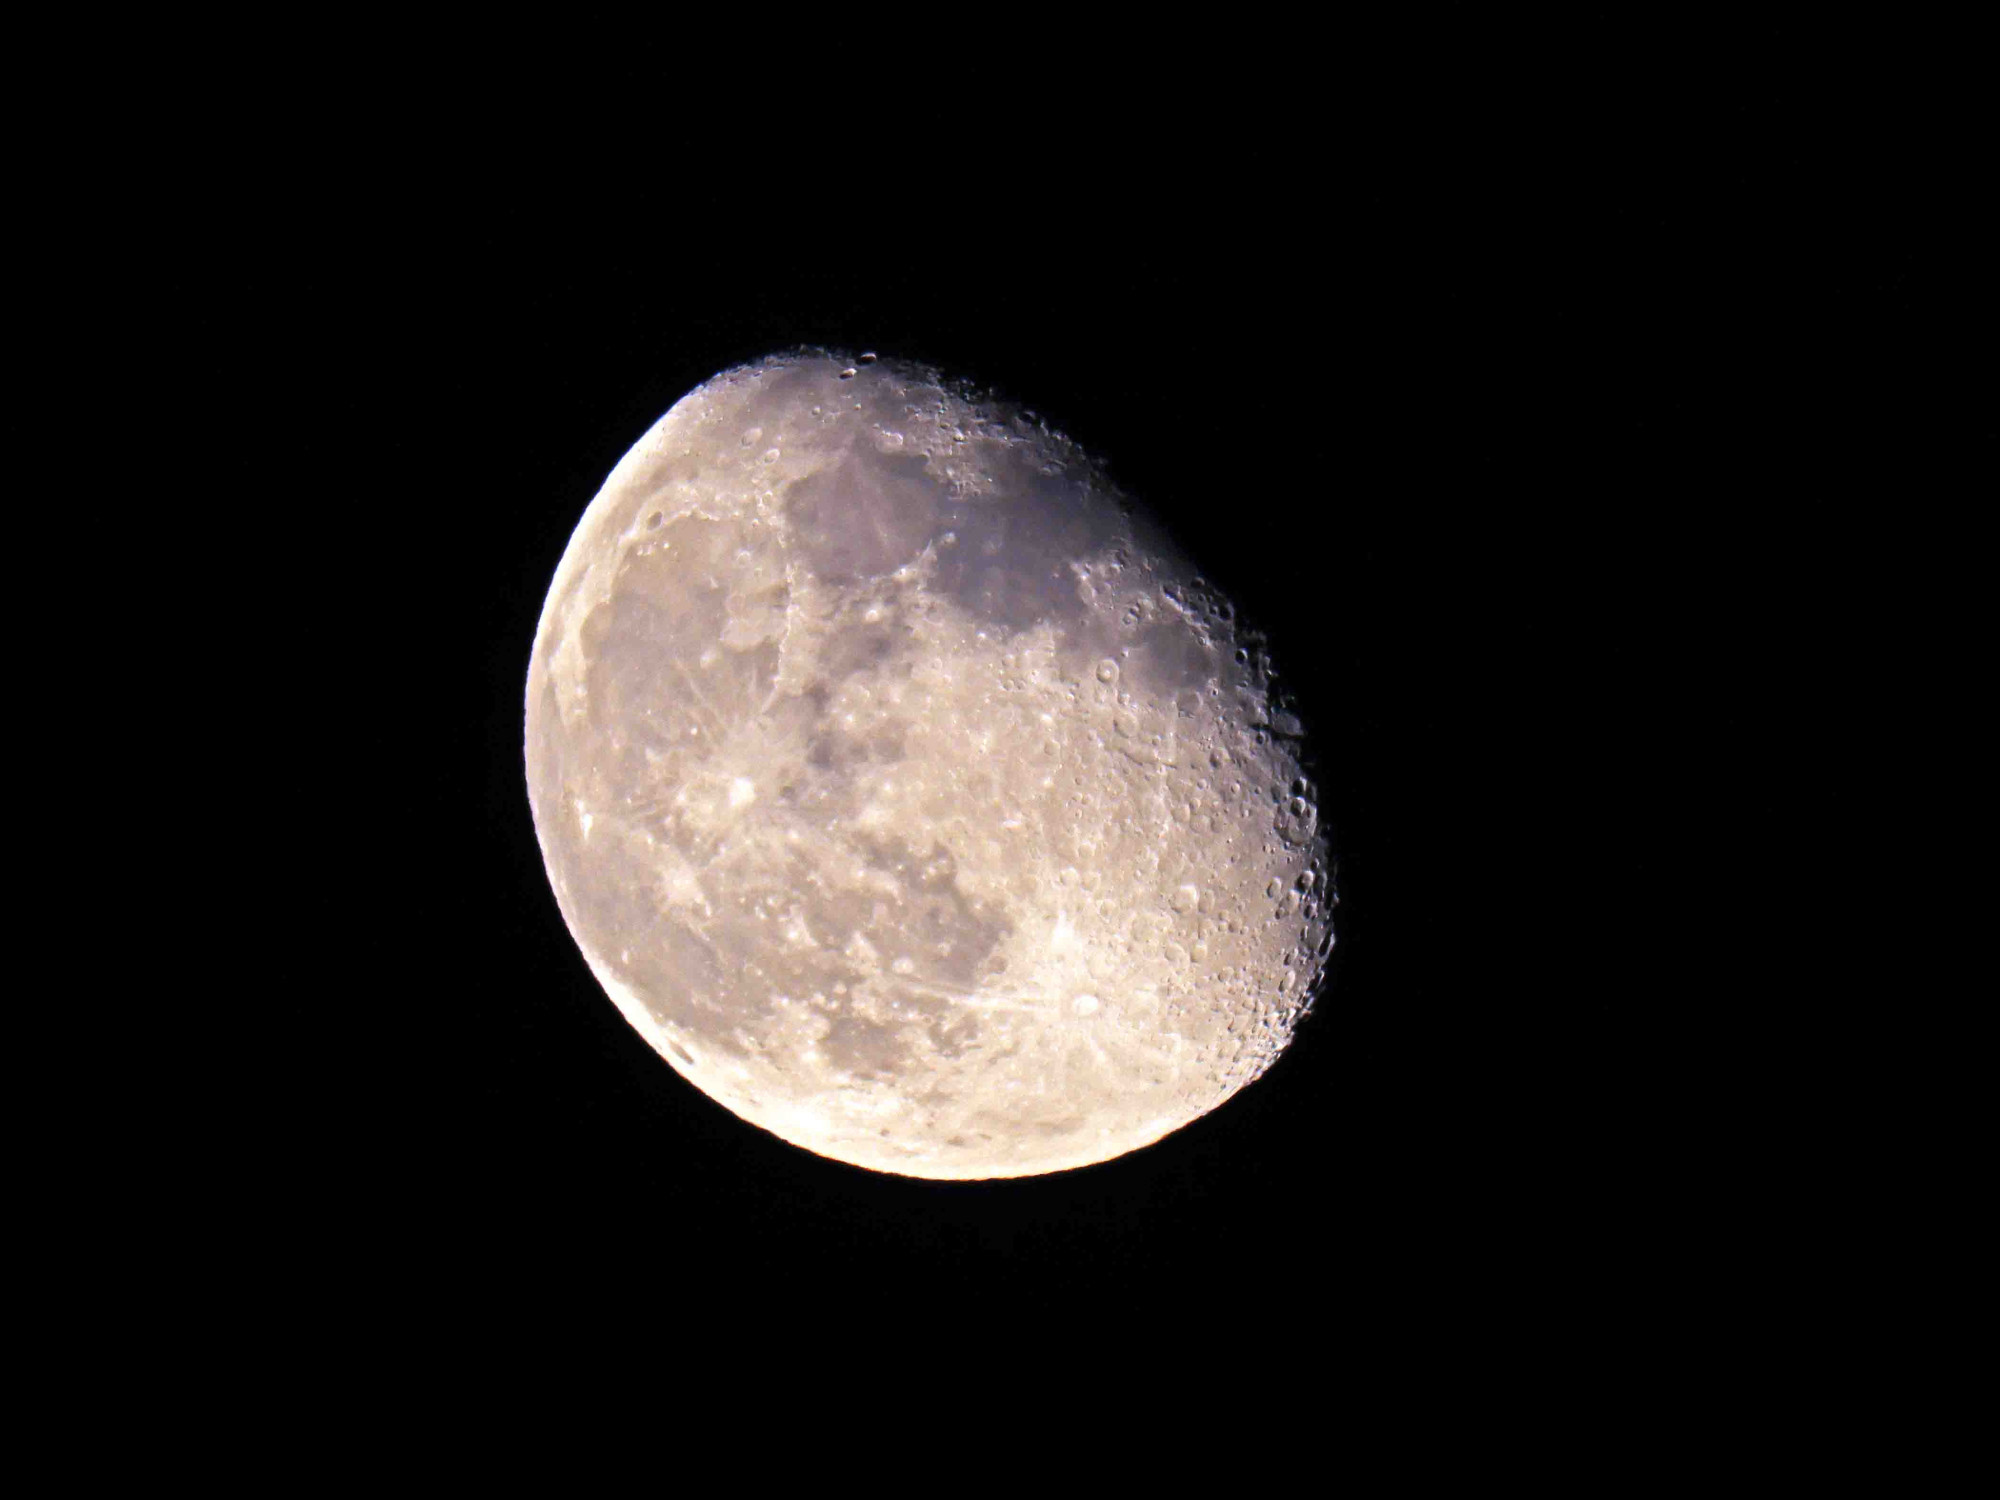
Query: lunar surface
[[907, 790]]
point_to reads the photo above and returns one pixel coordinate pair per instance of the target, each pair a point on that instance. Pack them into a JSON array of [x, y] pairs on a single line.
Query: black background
[[1496, 430]]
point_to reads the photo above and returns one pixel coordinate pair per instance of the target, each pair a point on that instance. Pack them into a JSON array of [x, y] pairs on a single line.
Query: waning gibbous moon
[[907, 790]]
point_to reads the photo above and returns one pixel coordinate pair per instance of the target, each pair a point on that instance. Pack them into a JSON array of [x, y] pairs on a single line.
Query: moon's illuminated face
[[907, 791]]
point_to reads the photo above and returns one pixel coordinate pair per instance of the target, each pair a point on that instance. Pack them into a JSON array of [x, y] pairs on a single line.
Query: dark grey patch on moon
[[864, 516]]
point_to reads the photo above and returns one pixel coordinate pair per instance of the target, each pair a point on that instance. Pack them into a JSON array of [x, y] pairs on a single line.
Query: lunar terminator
[[907, 789]]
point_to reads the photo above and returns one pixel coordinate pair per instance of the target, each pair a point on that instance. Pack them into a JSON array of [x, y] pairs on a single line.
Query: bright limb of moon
[[907, 790]]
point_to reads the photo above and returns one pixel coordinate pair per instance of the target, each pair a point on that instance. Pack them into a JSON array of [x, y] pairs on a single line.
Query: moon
[[906, 787]]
